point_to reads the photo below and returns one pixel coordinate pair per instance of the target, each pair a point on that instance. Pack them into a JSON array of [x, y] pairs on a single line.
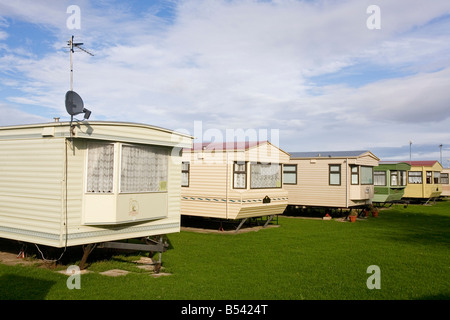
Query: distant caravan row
[[234, 180]]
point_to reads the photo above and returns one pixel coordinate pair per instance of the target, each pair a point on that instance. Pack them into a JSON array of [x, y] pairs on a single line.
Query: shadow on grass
[[439, 296], [421, 224], [15, 287]]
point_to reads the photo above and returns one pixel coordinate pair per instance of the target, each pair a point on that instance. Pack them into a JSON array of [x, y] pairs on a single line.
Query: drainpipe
[[347, 192]]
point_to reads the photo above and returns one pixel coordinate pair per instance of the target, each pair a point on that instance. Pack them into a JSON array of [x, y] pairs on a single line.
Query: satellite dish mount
[[74, 103]]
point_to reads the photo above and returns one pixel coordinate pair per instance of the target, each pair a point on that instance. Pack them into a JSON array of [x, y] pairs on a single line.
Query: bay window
[[143, 169], [366, 175]]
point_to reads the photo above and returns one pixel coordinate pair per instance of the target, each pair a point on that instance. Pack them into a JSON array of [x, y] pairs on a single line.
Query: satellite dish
[[75, 105]]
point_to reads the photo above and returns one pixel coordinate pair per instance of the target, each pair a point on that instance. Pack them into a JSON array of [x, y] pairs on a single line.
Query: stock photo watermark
[[373, 22], [213, 139], [74, 20], [74, 280], [374, 281]]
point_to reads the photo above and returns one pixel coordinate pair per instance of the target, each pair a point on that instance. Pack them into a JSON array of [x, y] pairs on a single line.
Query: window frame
[[143, 146], [188, 171], [261, 163], [354, 174], [339, 173], [380, 173], [291, 173], [419, 175], [366, 183], [436, 180], [114, 184], [444, 176], [429, 177], [240, 172]]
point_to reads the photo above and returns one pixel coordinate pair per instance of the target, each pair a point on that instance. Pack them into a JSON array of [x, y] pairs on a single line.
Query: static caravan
[[445, 182], [389, 179], [424, 180], [233, 180], [65, 184], [336, 179]]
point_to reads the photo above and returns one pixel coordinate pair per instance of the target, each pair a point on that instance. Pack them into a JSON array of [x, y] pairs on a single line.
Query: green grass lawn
[[300, 259]]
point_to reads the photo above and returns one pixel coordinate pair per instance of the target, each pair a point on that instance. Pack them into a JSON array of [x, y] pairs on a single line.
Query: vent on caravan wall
[[75, 105]]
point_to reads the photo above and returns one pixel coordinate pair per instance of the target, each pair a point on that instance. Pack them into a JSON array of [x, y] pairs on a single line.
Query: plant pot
[[352, 218], [375, 214]]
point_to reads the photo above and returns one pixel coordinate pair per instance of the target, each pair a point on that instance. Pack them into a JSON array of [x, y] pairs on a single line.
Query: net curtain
[[143, 169], [100, 168]]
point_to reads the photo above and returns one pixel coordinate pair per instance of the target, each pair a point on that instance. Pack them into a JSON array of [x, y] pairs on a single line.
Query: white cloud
[[247, 64]]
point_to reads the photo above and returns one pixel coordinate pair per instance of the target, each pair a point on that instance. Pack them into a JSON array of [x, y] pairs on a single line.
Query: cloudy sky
[[307, 75]]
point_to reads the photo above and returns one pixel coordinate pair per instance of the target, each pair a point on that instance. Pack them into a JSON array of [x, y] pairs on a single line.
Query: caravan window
[[290, 174], [239, 175], [429, 177], [100, 168], [379, 178], [414, 177], [143, 169], [437, 177], [444, 178], [398, 178], [335, 174], [355, 174], [366, 175], [265, 176], [185, 166]]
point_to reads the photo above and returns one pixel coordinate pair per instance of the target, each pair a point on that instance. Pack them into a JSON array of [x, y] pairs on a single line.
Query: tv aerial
[[74, 103]]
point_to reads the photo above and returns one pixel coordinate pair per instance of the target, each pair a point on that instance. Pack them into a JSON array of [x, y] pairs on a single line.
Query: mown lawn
[[300, 259]]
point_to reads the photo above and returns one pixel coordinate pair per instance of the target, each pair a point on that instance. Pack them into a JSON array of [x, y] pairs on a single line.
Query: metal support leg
[[268, 221], [240, 225]]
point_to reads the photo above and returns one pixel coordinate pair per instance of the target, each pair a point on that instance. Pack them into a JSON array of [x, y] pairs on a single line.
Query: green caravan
[[390, 180]]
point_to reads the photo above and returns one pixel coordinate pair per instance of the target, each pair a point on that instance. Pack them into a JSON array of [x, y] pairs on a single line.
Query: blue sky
[[308, 75]]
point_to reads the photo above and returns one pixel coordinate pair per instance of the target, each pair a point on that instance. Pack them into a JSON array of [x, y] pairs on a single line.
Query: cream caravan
[[233, 180], [336, 179], [64, 184]]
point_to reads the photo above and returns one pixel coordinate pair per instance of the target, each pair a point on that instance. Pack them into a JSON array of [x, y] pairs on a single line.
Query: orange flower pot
[[352, 218]]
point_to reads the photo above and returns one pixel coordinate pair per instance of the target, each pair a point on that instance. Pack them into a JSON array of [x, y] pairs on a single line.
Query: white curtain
[[414, 177], [144, 169], [394, 178], [265, 176], [100, 171], [379, 178]]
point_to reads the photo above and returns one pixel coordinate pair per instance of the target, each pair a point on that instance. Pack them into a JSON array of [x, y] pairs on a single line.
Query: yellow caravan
[[334, 179], [64, 184], [424, 180], [233, 180]]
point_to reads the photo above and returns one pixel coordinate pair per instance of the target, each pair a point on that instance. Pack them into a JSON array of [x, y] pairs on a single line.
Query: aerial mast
[[72, 45]]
